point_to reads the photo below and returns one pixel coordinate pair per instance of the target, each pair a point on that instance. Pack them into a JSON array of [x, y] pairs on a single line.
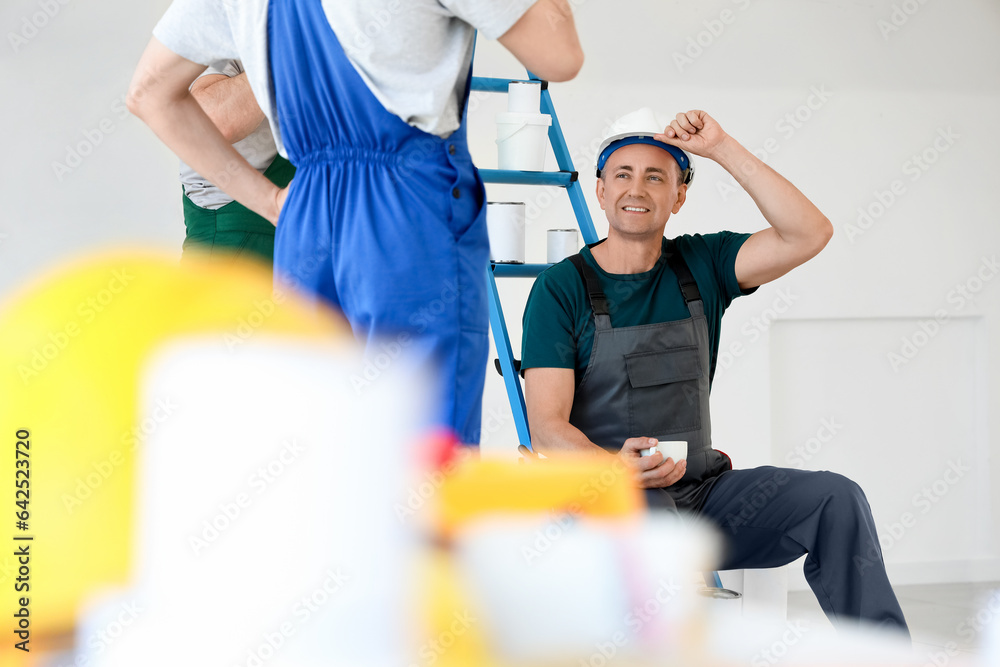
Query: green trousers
[[234, 230]]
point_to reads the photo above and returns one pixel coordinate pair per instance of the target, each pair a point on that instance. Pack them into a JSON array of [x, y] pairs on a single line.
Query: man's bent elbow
[[229, 131], [140, 99], [824, 233], [567, 67], [134, 102], [811, 245]]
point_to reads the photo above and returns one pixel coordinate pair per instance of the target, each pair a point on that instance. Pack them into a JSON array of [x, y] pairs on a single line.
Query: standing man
[[214, 222], [619, 350], [386, 216]]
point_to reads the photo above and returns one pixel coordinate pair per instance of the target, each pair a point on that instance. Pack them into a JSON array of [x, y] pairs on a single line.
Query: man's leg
[[771, 516]]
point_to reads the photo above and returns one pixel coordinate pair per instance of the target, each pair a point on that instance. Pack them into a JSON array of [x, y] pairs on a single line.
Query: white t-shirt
[[413, 54], [257, 147]]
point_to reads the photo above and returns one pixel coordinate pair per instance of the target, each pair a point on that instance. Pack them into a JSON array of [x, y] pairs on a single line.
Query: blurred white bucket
[[522, 140], [319, 530]]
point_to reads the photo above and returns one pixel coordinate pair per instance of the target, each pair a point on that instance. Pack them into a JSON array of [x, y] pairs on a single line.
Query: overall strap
[[689, 288], [598, 300]]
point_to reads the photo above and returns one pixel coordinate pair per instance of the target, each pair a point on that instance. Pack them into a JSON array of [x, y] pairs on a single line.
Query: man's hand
[[279, 203], [695, 132], [652, 472]]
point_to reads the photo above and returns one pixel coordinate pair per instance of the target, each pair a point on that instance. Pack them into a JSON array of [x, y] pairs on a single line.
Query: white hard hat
[[639, 127]]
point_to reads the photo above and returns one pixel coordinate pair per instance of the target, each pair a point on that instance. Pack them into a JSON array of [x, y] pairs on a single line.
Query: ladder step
[[494, 85], [559, 178], [518, 270]]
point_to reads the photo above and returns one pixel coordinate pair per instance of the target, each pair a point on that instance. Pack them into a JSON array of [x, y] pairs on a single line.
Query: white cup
[[671, 449]]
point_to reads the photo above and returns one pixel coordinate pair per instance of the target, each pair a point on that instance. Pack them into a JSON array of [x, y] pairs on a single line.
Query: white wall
[[824, 357], [60, 86]]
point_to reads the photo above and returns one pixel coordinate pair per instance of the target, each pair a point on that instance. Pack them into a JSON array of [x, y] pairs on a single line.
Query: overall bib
[[233, 228], [652, 381], [383, 220]]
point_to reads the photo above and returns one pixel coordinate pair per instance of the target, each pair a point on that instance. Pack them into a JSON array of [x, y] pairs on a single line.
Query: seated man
[[620, 345]]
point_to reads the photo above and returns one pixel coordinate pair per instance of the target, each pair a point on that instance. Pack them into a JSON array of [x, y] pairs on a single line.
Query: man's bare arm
[[545, 41], [229, 103], [159, 95], [798, 229], [548, 395]]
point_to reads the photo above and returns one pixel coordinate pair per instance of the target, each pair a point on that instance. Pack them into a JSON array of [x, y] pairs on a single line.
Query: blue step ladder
[[566, 178]]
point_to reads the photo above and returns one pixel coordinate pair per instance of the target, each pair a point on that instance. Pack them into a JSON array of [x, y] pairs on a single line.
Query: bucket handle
[[517, 129]]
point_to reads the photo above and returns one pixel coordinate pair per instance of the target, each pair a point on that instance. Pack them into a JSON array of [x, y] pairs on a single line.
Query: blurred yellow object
[[449, 637], [72, 346], [479, 489], [584, 487]]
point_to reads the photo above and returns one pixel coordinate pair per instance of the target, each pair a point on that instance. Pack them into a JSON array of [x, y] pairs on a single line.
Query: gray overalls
[[653, 380]]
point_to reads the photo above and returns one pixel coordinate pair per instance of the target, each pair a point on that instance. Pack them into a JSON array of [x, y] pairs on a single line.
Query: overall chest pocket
[[663, 393]]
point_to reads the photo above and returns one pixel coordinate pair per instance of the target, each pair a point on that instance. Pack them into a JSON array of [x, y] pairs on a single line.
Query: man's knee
[[828, 489], [833, 483], [844, 497], [836, 485]]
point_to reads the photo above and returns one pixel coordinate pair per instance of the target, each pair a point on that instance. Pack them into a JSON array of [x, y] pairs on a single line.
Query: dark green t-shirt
[[558, 322]]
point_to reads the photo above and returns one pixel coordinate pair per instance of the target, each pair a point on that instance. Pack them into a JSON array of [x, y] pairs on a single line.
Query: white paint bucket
[[505, 226], [524, 96], [521, 140], [560, 244]]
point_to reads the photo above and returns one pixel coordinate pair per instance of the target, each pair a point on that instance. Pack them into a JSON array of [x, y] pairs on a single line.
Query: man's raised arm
[[798, 229]]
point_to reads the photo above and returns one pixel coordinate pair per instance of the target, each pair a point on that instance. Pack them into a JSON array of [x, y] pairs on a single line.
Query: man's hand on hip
[[279, 203], [652, 472]]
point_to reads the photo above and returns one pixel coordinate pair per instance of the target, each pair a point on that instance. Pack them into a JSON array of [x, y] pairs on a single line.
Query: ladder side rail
[[511, 379], [565, 161]]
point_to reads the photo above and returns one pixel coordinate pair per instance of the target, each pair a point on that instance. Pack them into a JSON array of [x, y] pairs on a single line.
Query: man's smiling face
[[640, 186]]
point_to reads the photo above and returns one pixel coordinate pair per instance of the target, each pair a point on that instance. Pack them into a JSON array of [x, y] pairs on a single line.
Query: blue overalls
[[383, 220]]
